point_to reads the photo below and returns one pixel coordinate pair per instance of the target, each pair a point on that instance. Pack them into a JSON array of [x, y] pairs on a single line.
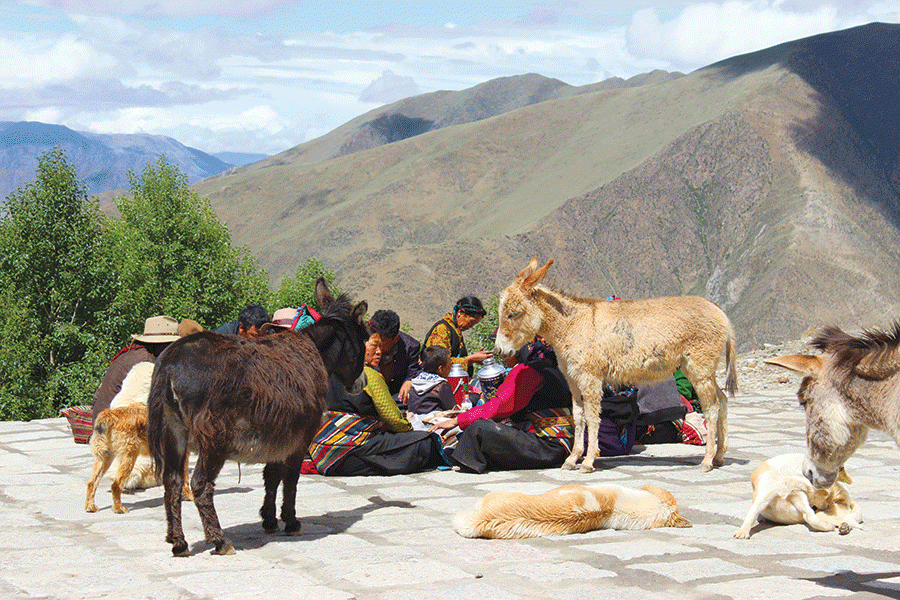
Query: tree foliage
[[56, 279], [75, 284], [301, 288], [174, 257]]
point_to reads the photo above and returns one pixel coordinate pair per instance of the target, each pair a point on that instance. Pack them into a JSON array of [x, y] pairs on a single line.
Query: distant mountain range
[[768, 183], [101, 161]]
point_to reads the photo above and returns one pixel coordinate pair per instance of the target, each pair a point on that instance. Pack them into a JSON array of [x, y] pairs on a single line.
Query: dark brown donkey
[[254, 401]]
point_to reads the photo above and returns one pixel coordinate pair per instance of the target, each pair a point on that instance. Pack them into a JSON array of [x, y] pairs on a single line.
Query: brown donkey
[[625, 341]]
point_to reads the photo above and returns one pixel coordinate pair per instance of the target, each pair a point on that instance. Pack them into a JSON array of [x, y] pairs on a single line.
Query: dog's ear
[[843, 477]]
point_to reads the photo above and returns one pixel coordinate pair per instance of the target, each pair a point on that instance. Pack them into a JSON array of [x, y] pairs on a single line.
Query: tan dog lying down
[[569, 509], [782, 494]]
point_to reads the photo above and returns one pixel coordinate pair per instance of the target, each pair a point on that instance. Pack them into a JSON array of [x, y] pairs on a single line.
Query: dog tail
[[466, 524]]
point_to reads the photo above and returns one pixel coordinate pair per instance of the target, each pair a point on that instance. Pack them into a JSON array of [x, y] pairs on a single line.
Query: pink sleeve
[[513, 395]]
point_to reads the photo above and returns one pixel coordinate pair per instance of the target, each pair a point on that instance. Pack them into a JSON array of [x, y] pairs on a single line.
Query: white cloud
[[32, 62], [705, 33]]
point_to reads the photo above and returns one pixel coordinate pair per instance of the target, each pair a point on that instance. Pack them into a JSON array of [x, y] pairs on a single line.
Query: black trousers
[[486, 444]]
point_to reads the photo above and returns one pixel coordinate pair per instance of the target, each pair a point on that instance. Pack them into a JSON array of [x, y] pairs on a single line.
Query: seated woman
[[447, 332], [366, 434], [536, 400]]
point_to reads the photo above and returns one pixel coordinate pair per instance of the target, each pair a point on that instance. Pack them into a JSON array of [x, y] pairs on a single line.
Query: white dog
[[569, 509], [782, 494]]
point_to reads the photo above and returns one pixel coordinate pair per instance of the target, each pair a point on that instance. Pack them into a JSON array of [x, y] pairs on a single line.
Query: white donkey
[[623, 341]]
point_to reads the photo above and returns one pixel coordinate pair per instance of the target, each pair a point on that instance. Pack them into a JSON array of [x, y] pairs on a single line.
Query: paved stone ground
[[390, 538]]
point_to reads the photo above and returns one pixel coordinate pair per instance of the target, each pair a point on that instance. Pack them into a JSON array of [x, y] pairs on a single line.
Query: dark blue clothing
[[405, 359], [229, 328]]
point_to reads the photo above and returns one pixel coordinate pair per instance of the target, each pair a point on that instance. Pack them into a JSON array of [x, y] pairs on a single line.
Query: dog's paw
[[91, 508], [742, 534], [120, 509]]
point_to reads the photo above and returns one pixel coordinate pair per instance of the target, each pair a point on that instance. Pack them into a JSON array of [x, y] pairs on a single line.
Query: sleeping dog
[[782, 494], [569, 509]]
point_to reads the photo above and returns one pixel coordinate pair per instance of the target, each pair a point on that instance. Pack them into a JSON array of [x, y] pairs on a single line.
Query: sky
[[262, 76]]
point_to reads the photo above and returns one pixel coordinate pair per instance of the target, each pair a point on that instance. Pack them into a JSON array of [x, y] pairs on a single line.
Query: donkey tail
[[730, 364], [160, 395]]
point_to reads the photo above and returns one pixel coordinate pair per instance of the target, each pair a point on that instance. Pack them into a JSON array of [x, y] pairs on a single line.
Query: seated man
[[248, 323], [158, 333], [399, 354]]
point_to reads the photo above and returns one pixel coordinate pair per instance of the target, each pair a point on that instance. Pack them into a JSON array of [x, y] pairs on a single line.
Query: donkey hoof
[[706, 467], [293, 529], [569, 465], [225, 549], [270, 526], [586, 468], [180, 549]]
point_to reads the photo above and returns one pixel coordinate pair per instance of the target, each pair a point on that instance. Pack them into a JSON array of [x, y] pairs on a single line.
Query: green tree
[[301, 288], [55, 284], [480, 335], [174, 257]]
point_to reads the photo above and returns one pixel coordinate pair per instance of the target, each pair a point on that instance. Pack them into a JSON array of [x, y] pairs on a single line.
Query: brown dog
[[569, 509], [120, 432]]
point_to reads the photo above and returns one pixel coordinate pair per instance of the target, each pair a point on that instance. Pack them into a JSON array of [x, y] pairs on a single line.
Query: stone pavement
[[390, 538]]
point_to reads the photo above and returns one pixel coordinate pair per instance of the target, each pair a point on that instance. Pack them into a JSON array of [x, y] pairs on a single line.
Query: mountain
[[239, 159], [768, 182], [101, 161]]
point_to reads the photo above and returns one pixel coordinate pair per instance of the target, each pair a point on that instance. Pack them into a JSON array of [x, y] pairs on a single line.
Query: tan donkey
[[623, 341]]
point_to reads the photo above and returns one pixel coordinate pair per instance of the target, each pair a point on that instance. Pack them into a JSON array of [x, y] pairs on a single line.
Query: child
[[430, 389]]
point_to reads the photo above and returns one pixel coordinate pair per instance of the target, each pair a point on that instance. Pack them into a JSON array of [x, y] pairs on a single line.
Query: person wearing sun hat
[[159, 332]]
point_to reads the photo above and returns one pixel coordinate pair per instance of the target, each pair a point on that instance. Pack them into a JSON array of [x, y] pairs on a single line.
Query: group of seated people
[[407, 418]]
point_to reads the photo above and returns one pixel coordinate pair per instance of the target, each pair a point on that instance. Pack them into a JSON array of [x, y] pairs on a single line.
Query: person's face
[[253, 332], [466, 321], [373, 351], [388, 343], [445, 370]]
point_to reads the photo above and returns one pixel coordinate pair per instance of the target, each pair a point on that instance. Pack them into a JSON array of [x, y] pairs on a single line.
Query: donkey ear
[[799, 363], [528, 270], [536, 277], [359, 311], [323, 294]]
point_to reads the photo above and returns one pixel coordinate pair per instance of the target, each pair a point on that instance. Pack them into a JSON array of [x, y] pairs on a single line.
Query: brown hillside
[[766, 183]]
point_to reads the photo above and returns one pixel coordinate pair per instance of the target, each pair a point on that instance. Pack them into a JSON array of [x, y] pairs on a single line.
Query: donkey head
[[340, 337], [832, 436], [520, 315]]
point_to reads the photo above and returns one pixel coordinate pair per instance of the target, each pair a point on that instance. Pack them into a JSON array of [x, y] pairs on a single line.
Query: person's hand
[[478, 357], [444, 425], [403, 394]]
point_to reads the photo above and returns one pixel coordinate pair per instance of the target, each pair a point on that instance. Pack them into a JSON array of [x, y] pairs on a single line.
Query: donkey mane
[[873, 354]]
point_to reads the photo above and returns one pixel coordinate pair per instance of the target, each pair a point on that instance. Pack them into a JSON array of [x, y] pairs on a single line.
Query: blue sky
[[266, 75]]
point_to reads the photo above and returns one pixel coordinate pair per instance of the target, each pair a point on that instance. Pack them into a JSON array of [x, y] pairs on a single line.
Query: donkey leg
[[271, 478], [709, 402], [578, 443], [173, 480], [592, 416], [721, 429], [290, 475], [203, 484]]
